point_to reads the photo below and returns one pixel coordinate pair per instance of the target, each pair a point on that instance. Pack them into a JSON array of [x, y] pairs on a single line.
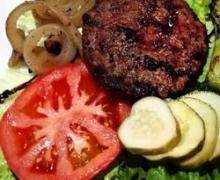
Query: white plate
[[5, 49]]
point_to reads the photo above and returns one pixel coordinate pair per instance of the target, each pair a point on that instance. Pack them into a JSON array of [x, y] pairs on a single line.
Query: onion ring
[[57, 48], [63, 15], [68, 25], [15, 35], [73, 9], [15, 59], [76, 17]]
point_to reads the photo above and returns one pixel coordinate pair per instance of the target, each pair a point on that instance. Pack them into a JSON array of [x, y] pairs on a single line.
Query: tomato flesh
[[61, 127]]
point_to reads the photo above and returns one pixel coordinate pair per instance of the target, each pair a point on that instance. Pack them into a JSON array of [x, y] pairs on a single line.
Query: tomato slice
[[63, 127], [122, 110]]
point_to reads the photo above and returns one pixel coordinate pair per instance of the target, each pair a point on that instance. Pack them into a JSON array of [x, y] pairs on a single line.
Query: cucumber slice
[[191, 130], [150, 128], [209, 116], [214, 101]]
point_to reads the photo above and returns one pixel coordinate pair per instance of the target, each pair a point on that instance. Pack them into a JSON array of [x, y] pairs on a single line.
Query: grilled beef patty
[[144, 47]]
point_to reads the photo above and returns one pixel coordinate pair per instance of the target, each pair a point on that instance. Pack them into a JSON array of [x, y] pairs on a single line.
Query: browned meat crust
[[144, 47]]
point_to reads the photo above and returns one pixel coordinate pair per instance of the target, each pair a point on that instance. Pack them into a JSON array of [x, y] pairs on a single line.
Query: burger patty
[[144, 47]]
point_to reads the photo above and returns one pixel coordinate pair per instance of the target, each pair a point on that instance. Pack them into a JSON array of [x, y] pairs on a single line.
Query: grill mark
[[153, 65], [151, 7], [114, 83], [98, 71], [140, 89], [143, 21], [198, 56], [89, 21], [143, 89], [173, 9], [130, 34], [126, 51]]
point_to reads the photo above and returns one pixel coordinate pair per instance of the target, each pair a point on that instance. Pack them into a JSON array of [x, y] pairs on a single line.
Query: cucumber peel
[[214, 101], [191, 129], [209, 116]]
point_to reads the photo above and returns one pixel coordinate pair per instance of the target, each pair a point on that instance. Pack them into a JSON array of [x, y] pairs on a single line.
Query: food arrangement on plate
[[112, 89]]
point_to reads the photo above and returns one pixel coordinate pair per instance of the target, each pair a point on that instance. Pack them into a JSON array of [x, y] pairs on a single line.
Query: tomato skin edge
[[17, 168], [7, 140]]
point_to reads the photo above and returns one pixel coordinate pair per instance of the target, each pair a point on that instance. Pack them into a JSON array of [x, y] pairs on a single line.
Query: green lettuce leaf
[[126, 174], [127, 170], [206, 68], [5, 173], [202, 10], [133, 167]]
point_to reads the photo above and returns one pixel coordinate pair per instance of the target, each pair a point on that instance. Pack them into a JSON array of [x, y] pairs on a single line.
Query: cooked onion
[[54, 12], [15, 59], [75, 36], [70, 27], [58, 23], [73, 9], [58, 4], [47, 47], [15, 35], [76, 17]]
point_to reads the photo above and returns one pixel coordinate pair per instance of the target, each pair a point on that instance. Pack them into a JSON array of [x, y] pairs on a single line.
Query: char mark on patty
[[144, 47]]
